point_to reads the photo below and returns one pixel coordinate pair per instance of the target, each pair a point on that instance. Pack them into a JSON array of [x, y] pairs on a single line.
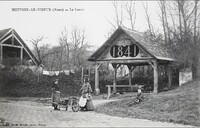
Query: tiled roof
[[3, 32], [155, 49]]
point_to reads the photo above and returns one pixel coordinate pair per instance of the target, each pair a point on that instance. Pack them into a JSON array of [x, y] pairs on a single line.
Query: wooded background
[[180, 33]]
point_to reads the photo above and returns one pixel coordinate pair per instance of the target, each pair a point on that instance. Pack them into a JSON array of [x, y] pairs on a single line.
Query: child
[[139, 94]]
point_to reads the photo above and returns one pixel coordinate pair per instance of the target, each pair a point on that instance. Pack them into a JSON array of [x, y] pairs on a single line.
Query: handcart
[[57, 103]]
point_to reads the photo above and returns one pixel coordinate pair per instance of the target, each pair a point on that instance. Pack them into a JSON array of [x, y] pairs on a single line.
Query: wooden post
[[1, 53], [169, 77], [97, 90], [115, 80], [21, 55], [115, 66], [109, 92], [155, 72], [130, 67], [154, 64], [130, 76]]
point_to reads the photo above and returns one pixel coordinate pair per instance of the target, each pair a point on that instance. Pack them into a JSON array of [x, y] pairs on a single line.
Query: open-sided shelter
[[131, 48], [12, 47]]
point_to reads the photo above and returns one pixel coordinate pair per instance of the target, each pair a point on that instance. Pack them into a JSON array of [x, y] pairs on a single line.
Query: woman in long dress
[[55, 96], [86, 97]]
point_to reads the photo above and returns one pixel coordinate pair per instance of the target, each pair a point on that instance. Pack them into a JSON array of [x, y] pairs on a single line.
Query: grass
[[180, 105]]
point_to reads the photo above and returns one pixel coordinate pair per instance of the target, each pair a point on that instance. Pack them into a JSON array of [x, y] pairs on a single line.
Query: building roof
[[4, 32], [155, 49], [7, 32]]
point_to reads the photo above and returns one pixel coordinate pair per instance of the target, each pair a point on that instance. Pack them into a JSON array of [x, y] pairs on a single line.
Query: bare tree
[[185, 19], [124, 13], [196, 53], [118, 13], [39, 47], [163, 17], [151, 29], [65, 47], [184, 28], [79, 47], [130, 9]]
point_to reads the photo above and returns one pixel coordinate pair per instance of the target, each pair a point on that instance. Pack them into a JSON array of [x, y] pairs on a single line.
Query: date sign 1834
[[127, 51]]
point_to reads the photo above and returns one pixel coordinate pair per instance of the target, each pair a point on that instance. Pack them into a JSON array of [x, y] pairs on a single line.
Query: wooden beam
[[169, 76], [13, 37], [155, 72], [21, 55], [6, 34], [130, 67], [154, 64], [25, 50], [115, 80], [130, 77], [9, 45], [131, 61], [6, 39], [1, 53], [115, 66], [109, 92], [97, 90], [151, 63]]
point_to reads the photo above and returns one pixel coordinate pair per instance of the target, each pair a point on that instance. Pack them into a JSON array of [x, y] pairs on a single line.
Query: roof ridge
[[132, 30]]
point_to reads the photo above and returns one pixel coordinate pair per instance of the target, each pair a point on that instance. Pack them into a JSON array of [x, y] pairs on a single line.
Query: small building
[[13, 50], [131, 48]]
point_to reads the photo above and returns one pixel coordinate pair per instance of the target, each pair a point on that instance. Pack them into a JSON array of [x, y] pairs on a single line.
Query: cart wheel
[[54, 108], [75, 108]]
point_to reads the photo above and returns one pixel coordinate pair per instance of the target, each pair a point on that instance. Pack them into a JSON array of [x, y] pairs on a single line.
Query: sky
[[48, 18]]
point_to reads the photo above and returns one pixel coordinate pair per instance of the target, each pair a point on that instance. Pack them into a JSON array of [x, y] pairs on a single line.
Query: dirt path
[[27, 113]]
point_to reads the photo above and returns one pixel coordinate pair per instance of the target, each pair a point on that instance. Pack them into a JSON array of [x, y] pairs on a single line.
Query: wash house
[[131, 48]]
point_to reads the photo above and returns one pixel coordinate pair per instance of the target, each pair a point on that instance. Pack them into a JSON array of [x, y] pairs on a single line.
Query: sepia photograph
[[116, 63]]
